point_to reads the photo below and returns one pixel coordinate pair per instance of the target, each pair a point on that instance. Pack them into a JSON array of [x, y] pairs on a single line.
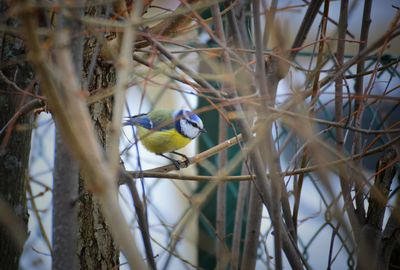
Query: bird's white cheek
[[189, 130]]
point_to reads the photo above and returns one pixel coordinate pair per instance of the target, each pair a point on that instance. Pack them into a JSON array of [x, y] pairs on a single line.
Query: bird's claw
[[186, 161], [177, 164], [181, 164]]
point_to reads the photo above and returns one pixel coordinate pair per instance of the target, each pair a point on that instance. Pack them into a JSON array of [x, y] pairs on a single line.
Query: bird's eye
[[194, 124]]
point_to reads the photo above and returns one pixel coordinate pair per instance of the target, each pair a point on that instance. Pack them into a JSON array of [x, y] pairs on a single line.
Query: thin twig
[[26, 108], [143, 222], [38, 218]]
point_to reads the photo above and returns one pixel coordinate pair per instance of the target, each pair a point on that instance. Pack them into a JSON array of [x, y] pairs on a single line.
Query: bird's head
[[188, 124]]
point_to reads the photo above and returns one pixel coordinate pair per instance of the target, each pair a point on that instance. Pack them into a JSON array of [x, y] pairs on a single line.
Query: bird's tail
[[127, 121]]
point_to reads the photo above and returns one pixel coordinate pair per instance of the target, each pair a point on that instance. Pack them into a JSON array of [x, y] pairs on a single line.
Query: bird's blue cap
[[187, 114]]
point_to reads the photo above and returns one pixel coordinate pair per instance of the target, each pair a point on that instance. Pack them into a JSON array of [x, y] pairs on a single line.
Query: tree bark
[[15, 143], [96, 248]]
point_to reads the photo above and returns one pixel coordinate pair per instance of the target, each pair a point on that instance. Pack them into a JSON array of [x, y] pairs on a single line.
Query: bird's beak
[[203, 130]]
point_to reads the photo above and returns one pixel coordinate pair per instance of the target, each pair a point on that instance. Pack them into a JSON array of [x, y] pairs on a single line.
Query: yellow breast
[[163, 141]]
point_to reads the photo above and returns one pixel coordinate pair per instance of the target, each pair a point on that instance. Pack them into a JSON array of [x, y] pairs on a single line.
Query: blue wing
[[139, 120], [155, 120]]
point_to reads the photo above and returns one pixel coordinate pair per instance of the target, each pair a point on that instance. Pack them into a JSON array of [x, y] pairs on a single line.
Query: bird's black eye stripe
[[193, 124]]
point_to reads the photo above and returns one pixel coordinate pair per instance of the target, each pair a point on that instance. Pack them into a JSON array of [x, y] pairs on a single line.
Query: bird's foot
[[176, 163], [186, 160]]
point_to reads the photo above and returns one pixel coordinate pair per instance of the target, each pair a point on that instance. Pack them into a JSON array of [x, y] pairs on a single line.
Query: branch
[[390, 237], [162, 171], [143, 222], [305, 26], [358, 104], [239, 214], [65, 214], [268, 154], [385, 171], [372, 231], [66, 167], [222, 252], [343, 173], [26, 108], [253, 221], [123, 71]]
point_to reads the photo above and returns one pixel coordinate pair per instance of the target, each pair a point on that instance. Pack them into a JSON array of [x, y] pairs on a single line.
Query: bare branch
[[372, 231]]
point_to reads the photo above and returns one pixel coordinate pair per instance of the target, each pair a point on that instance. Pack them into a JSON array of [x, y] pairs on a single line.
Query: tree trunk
[[15, 145], [96, 248]]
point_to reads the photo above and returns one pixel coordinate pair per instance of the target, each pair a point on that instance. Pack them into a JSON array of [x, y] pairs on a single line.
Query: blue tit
[[165, 131]]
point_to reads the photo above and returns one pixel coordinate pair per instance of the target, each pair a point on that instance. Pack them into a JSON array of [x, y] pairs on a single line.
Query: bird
[[165, 131]]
